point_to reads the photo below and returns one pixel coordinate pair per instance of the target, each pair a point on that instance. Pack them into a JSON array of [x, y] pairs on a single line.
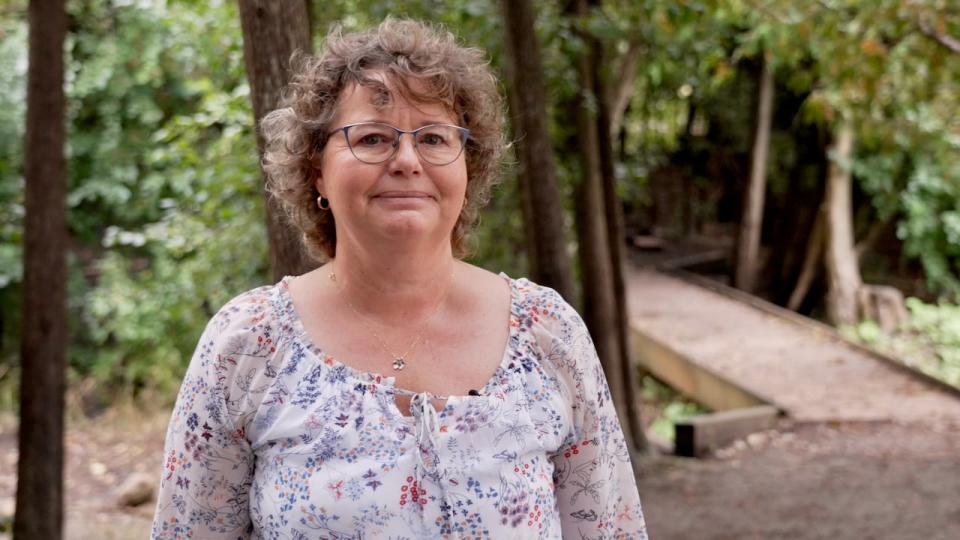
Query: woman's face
[[402, 199]]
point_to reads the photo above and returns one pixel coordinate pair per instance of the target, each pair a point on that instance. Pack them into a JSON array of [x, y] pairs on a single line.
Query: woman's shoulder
[[558, 335], [540, 303], [253, 312]]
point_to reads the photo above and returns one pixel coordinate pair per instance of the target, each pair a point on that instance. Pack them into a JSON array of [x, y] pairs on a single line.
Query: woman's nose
[[406, 157]]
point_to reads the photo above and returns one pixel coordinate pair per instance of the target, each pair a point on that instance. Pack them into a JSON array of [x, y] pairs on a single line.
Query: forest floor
[[859, 481], [855, 480]]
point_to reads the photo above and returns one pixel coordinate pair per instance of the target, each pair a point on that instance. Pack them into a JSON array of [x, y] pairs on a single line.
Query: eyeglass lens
[[374, 143]]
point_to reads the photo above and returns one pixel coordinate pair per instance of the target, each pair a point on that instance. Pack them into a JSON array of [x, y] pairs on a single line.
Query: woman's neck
[[395, 286]]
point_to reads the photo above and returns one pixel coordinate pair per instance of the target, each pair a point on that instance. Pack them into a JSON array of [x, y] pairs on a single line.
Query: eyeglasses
[[374, 142]]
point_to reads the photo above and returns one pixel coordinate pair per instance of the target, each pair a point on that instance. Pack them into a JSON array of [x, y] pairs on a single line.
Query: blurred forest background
[[166, 211]]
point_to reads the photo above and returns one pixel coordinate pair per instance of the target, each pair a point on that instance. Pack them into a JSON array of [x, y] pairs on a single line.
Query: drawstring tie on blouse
[[426, 425]]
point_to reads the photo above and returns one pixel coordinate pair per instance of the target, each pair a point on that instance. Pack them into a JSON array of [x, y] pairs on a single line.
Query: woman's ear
[[316, 165], [317, 176], [318, 183]]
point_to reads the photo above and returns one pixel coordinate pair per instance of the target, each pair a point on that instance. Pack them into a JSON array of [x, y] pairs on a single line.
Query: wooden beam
[[685, 375], [698, 435]]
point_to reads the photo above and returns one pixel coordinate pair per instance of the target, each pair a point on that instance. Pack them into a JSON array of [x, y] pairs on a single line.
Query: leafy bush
[[929, 342], [669, 407]]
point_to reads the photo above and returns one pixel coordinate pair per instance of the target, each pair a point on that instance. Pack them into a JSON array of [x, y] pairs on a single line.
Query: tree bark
[[598, 272], [549, 262], [843, 270], [272, 31], [811, 263], [615, 237], [43, 342], [750, 226]]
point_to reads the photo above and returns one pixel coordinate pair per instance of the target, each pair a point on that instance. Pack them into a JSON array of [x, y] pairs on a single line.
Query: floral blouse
[[271, 438]]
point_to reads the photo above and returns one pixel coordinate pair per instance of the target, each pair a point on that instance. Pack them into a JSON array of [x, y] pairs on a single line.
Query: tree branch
[[618, 94], [950, 42]]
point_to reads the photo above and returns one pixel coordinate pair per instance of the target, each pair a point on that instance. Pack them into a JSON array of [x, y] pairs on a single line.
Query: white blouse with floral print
[[271, 438]]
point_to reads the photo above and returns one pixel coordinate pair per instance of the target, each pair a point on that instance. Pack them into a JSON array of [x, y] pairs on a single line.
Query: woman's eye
[[372, 139], [431, 139]]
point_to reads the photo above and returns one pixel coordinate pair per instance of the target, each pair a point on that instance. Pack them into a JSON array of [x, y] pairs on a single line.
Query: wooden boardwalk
[[805, 371]]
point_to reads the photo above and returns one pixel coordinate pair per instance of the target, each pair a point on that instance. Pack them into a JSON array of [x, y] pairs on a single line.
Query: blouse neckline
[[289, 313]]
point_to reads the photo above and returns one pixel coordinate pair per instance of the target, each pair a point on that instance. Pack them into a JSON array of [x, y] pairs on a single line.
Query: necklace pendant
[[398, 364]]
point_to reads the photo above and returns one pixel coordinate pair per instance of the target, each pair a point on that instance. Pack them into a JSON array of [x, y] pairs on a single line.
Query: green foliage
[[929, 341], [872, 61], [13, 69], [670, 407], [179, 215], [165, 204], [875, 62]]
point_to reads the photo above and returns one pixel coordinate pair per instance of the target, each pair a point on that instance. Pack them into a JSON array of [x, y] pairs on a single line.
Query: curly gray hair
[[424, 63]]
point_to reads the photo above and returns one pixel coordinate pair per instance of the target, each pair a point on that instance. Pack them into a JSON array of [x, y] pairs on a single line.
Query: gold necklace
[[399, 361]]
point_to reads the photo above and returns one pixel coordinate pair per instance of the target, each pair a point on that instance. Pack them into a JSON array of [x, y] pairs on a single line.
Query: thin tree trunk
[[615, 237], [549, 262], [596, 262], [618, 97], [811, 263], [43, 342], [526, 183], [272, 31], [749, 240], [843, 271]]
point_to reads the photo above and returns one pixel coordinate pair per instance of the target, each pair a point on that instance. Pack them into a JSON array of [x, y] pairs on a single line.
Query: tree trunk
[[615, 237], [549, 262], [752, 221], [596, 261], [843, 271], [43, 342], [811, 263], [272, 31]]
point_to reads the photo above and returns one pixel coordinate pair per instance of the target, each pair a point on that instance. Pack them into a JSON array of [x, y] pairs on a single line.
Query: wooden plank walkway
[[806, 372]]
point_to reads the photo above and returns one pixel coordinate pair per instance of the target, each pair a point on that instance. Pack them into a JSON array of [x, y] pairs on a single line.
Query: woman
[[395, 391]]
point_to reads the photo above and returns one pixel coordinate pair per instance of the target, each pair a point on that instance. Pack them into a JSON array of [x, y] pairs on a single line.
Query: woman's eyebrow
[[426, 122]]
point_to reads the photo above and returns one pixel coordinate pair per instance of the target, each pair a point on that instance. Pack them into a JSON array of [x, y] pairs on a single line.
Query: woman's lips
[[404, 195]]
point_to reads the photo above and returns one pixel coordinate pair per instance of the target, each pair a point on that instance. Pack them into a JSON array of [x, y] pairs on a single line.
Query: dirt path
[[101, 454], [858, 481]]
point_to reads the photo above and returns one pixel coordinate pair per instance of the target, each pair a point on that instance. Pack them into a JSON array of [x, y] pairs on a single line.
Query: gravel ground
[[810, 481]]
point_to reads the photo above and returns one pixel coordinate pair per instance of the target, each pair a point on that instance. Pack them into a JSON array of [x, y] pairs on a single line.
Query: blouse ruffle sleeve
[[595, 485], [208, 461]]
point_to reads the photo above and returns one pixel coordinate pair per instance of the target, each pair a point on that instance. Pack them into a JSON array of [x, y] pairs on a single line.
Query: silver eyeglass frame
[[464, 137]]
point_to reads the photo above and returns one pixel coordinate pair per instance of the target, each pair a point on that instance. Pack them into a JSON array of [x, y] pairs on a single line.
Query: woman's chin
[[405, 225]]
